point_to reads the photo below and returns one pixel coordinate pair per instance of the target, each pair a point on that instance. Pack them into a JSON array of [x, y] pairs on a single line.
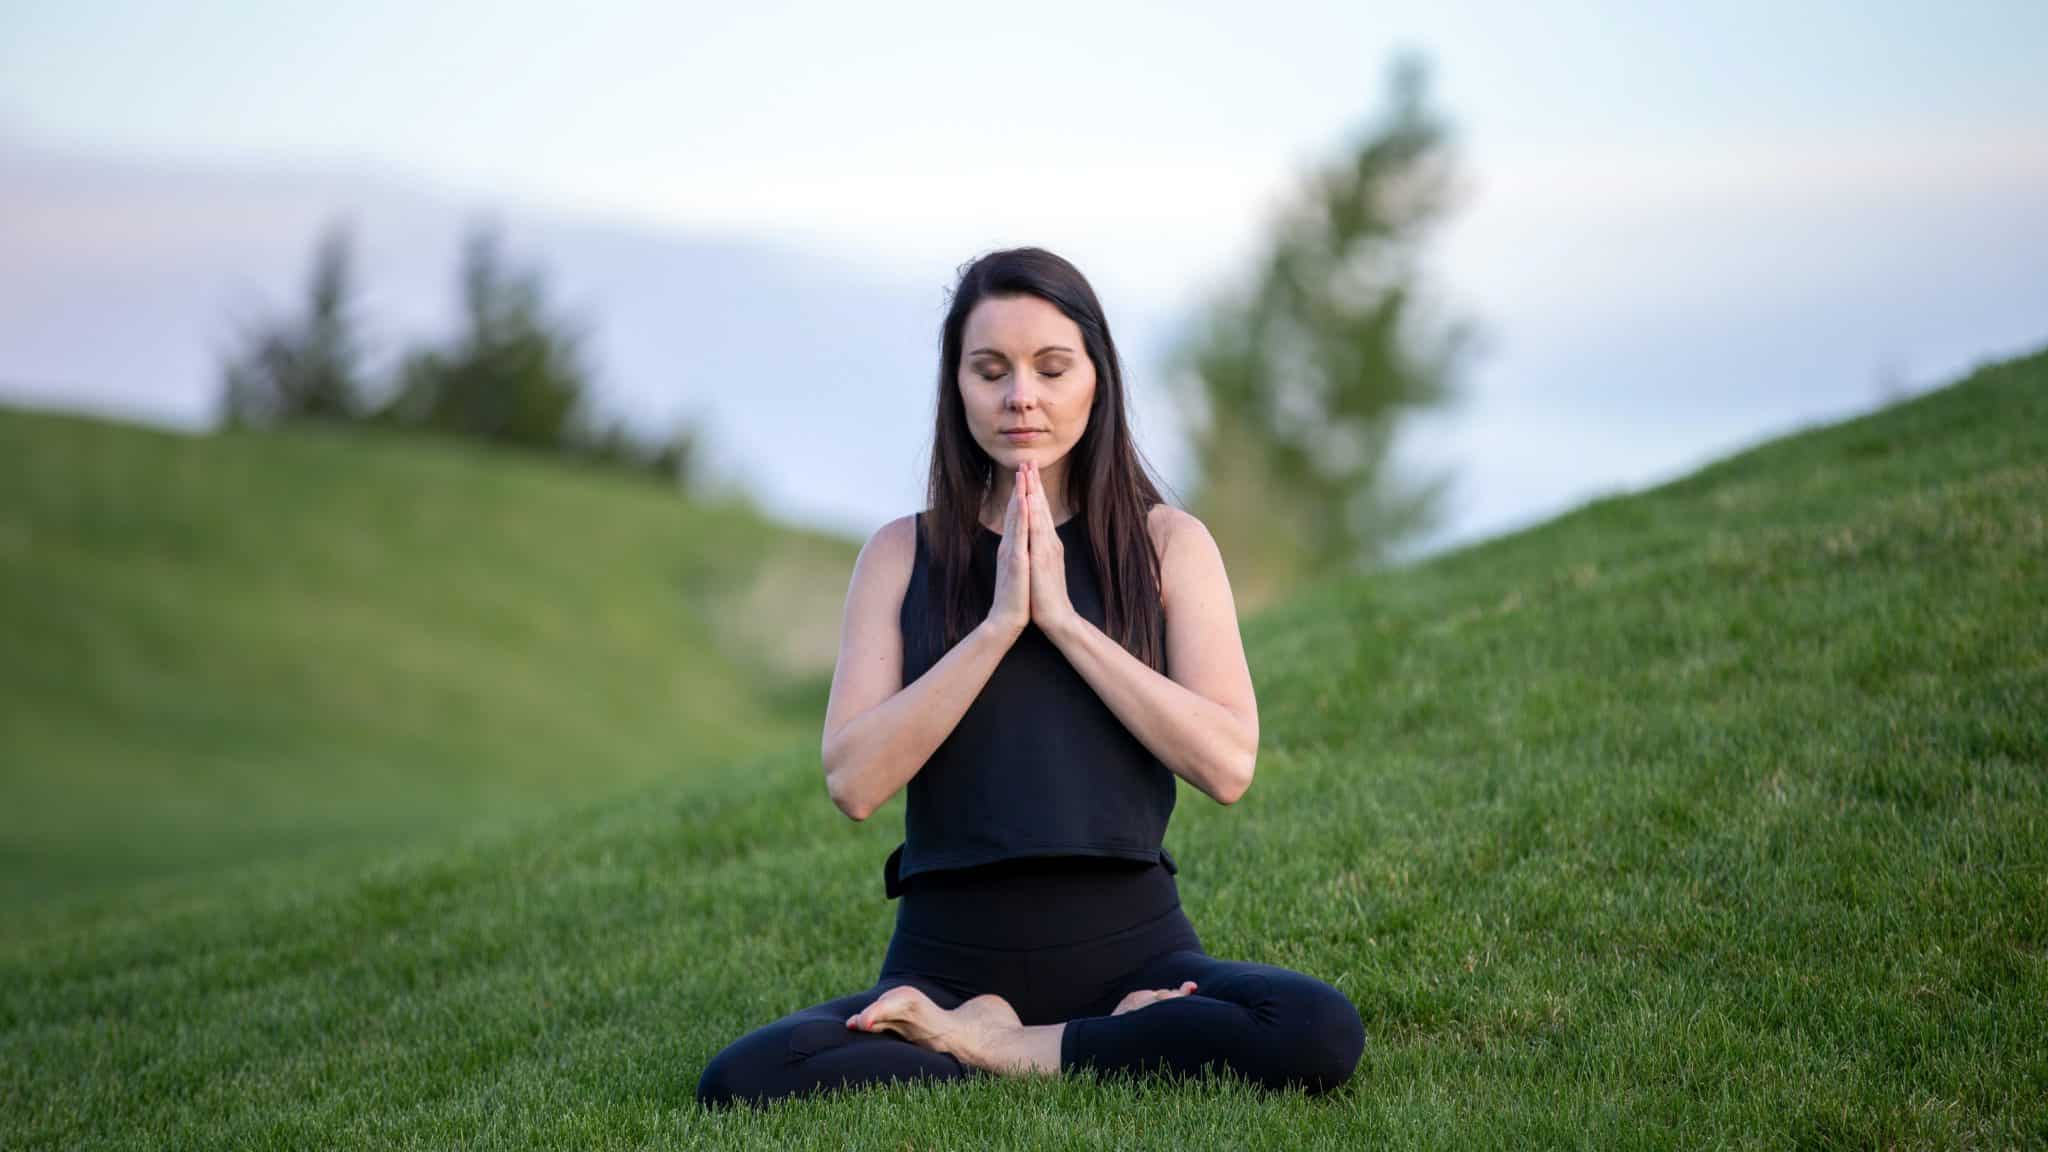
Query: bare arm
[[1201, 719], [878, 731]]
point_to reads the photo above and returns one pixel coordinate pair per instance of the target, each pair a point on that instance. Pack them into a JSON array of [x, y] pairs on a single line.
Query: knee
[[1327, 1035], [719, 1085], [728, 1079]]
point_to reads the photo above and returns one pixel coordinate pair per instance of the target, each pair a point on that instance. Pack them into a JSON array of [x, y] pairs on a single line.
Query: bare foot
[[983, 1032], [1144, 996], [970, 1032]]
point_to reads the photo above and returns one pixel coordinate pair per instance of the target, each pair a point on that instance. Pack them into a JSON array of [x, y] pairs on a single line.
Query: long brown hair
[[1106, 478]]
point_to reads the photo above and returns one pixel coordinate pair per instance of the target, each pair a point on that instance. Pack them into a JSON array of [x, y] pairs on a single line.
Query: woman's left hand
[[1050, 608]]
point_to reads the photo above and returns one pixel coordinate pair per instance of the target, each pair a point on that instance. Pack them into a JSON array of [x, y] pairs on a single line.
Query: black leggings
[[1061, 939]]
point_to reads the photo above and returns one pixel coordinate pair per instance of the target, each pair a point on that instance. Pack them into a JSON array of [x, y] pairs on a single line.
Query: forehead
[[1019, 326]]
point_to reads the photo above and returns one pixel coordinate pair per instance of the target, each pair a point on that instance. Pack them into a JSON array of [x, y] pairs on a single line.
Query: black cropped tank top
[[1038, 765]]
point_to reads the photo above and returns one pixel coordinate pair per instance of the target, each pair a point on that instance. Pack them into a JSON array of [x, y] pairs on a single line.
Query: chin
[[1010, 455]]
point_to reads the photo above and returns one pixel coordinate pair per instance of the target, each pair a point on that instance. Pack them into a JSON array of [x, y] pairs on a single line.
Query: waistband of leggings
[[1036, 902]]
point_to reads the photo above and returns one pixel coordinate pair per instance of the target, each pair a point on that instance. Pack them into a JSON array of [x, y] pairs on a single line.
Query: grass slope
[[1708, 816], [236, 646]]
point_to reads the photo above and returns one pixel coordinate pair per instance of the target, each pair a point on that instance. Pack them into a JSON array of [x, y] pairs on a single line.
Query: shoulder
[[897, 538], [1185, 548], [1176, 529], [889, 552]]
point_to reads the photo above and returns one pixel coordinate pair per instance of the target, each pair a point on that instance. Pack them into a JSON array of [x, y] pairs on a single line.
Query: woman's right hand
[[1010, 606]]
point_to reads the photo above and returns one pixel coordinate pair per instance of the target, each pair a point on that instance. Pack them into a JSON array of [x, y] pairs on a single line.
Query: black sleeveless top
[[1038, 765]]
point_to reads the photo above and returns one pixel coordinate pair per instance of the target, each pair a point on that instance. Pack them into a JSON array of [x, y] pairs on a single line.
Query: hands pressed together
[[1031, 562]]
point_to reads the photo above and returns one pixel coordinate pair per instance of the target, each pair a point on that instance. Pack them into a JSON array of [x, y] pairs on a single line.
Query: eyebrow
[[1040, 352]]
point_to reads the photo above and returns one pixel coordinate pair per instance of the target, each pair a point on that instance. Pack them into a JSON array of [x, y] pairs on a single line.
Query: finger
[[1035, 504], [1031, 498], [1014, 507], [1022, 490]]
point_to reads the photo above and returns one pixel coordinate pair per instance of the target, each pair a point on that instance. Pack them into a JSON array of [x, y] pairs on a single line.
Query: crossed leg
[[812, 1048], [1271, 1025], [1179, 1012]]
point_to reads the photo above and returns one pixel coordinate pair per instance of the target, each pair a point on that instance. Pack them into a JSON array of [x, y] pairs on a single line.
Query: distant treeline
[[1298, 374], [512, 375]]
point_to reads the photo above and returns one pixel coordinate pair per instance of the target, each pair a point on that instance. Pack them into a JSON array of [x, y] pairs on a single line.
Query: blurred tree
[[680, 456], [514, 375], [309, 368], [1298, 382], [674, 458]]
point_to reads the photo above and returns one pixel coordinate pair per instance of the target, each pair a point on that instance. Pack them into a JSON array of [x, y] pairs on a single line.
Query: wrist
[[1005, 631], [1062, 629]]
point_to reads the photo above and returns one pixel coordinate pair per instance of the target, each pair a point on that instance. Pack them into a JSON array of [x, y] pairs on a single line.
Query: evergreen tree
[[1300, 380], [513, 375], [309, 368]]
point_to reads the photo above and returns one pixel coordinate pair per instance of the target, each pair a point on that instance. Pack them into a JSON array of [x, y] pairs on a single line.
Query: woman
[[1036, 657]]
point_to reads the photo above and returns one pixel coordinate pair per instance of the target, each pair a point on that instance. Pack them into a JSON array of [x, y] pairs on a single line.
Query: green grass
[[1715, 815], [239, 646]]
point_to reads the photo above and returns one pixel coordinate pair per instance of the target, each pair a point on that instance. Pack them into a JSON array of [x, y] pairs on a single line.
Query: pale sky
[[1689, 226]]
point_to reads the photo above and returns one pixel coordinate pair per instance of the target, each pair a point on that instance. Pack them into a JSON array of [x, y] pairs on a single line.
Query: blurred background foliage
[[1301, 379], [513, 375]]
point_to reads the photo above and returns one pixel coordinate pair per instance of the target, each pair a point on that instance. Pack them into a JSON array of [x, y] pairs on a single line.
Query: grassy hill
[[1713, 815], [238, 646]]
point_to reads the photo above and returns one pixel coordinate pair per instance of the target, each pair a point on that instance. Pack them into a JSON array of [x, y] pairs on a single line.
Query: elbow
[[1235, 776], [836, 786], [855, 809], [1235, 780]]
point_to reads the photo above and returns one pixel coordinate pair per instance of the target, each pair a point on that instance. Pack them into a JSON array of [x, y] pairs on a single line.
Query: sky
[[1685, 227]]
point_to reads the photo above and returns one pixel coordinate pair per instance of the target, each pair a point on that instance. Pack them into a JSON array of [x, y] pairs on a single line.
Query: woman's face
[[1022, 365]]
